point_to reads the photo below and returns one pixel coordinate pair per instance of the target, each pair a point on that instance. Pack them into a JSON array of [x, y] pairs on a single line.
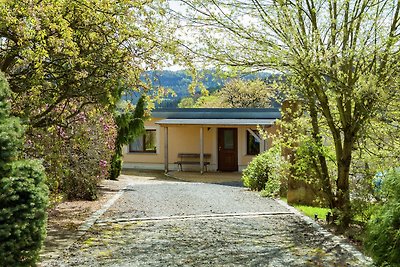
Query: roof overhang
[[217, 122]]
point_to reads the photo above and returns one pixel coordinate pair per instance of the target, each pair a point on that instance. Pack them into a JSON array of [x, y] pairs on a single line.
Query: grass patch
[[311, 211]]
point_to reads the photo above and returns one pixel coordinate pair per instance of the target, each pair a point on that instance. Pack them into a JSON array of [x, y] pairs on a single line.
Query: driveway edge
[[340, 241]]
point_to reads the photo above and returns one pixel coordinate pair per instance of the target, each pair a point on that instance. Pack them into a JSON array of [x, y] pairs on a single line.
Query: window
[[253, 145], [145, 143]]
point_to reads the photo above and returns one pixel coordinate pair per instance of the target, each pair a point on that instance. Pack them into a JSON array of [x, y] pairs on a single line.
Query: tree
[[129, 126], [60, 56], [235, 93], [23, 193], [340, 59], [68, 63], [186, 102], [239, 93]]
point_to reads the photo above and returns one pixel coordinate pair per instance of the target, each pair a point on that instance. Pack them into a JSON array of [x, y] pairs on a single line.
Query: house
[[212, 139]]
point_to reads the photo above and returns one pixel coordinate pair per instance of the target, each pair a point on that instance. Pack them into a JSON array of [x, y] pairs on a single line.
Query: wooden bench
[[192, 159]]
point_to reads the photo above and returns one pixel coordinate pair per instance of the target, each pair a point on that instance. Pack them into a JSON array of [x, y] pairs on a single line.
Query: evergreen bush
[[383, 230], [129, 127], [264, 172], [23, 193]]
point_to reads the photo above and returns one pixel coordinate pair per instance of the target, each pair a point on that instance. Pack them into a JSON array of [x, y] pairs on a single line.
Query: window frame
[[153, 151], [248, 152]]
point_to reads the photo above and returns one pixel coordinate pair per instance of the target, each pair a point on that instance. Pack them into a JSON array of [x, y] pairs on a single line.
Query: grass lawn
[[311, 211]]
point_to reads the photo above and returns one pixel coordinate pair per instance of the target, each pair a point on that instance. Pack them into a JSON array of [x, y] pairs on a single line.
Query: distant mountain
[[179, 82]]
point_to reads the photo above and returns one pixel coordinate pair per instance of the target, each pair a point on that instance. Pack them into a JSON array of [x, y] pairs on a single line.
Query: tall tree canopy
[[62, 55], [340, 58]]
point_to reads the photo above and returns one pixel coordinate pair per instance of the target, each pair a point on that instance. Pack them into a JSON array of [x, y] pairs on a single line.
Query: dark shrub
[[23, 194], [383, 231]]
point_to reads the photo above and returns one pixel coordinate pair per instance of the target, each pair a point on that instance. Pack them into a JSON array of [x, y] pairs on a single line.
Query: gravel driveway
[[157, 222]]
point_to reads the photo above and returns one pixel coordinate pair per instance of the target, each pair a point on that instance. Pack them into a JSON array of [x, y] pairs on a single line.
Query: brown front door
[[227, 149]]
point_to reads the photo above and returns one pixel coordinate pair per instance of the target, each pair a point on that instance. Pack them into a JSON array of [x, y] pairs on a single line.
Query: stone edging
[[84, 227], [97, 214], [340, 241]]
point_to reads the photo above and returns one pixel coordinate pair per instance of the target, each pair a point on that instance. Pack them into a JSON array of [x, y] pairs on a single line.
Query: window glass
[[144, 143], [150, 139], [137, 145], [253, 145], [228, 139]]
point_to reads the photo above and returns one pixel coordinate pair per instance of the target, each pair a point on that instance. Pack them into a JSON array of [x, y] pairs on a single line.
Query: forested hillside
[[179, 81]]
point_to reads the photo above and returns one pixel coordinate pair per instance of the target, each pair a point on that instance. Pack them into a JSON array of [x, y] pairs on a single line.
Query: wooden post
[[201, 150], [262, 146], [263, 143], [166, 149]]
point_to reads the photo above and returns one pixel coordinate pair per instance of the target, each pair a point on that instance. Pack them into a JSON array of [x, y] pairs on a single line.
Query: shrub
[[23, 202], [76, 156], [116, 166], [383, 230], [23, 194], [265, 172], [129, 127]]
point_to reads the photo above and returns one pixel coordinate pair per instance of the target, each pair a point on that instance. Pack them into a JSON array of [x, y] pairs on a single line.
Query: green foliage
[[186, 102], [76, 157], [342, 74], [23, 204], [383, 231], [264, 172], [23, 194], [116, 166], [129, 127], [68, 63], [238, 93], [310, 211], [272, 187], [209, 101], [87, 51], [307, 168]]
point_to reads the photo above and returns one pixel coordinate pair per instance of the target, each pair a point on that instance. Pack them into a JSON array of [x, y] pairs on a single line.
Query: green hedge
[[264, 172], [23, 203], [23, 194]]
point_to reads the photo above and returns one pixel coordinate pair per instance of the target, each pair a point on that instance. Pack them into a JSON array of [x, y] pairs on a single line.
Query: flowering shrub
[[76, 155]]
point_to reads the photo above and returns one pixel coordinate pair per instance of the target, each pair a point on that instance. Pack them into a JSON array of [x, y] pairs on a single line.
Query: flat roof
[[220, 122], [217, 113]]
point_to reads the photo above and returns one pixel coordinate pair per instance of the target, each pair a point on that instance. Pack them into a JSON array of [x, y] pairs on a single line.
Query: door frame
[[235, 149]]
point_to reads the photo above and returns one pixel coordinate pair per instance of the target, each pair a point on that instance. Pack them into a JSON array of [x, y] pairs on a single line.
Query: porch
[[230, 178], [221, 139]]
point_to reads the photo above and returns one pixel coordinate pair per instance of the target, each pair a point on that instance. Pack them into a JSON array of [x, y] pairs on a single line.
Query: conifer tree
[[130, 126], [23, 193]]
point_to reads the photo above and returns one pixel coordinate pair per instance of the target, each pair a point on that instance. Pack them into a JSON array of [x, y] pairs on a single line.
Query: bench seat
[[191, 159]]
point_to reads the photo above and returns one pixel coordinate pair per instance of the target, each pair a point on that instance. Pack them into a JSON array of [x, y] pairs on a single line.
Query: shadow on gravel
[[153, 174], [233, 184]]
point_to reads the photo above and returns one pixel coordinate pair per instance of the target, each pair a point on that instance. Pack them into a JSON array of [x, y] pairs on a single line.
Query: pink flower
[[103, 163]]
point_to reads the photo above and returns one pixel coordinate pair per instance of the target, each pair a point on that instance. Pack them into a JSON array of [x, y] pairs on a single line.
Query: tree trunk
[[342, 182], [323, 172]]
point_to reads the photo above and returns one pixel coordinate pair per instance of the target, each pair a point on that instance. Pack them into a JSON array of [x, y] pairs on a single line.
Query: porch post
[[166, 149], [201, 150], [263, 144]]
